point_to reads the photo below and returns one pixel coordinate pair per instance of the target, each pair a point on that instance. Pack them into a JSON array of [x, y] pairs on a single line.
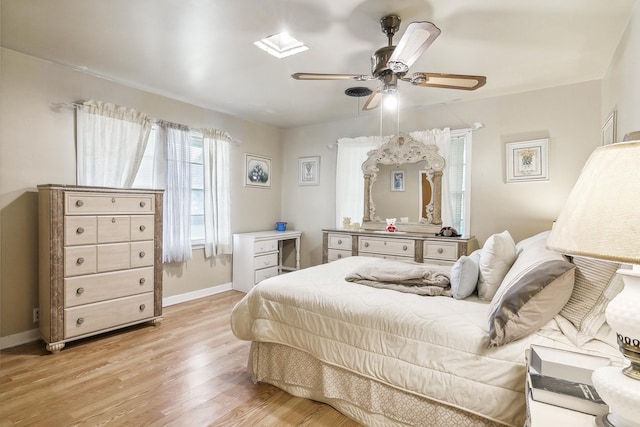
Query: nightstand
[[543, 415]]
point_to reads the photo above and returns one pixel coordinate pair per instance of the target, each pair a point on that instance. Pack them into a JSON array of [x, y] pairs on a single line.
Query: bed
[[384, 357]]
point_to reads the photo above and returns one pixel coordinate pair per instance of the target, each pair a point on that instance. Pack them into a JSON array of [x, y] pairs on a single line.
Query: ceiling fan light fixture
[[281, 45], [418, 79]]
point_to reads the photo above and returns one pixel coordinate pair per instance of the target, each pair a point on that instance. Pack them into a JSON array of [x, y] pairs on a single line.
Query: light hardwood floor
[[188, 371]]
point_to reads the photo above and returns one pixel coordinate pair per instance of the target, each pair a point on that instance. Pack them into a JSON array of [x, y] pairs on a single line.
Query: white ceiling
[[202, 52]]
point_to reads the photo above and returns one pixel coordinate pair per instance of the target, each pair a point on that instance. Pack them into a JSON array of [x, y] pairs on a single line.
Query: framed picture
[[528, 160], [609, 129], [397, 180], [257, 171], [309, 170]]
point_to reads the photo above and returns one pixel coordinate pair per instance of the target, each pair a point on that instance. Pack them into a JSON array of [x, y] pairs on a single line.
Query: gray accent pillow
[[464, 275], [534, 290]]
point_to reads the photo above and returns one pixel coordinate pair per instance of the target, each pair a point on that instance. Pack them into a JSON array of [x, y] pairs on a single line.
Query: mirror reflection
[[403, 180]]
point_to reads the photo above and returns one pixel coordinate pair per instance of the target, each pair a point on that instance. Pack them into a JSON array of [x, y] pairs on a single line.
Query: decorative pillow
[[596, 284], [536, 288], [497, 256], [524, 243], [464, 275]]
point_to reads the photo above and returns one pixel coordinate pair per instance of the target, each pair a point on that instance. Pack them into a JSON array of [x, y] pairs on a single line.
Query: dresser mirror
[[403, 180]]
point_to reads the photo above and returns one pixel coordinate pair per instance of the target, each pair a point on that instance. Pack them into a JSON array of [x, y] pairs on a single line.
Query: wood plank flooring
[[188, 371]]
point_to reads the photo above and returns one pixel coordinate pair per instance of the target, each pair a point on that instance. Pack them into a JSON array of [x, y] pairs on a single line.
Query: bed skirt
[[366, 401]]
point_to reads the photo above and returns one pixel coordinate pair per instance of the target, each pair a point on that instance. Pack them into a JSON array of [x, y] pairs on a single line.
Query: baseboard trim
[[200, 293], [34, 334], [19, 338]]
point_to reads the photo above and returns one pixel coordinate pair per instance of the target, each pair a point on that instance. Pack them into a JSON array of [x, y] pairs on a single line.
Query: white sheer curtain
[[174, 144], [217, 197], [352, 152], [441, 138], [110, 144]]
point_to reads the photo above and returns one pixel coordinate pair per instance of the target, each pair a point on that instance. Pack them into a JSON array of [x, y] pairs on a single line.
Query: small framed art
[[309, 170], [257, 171], [527, 160], [397, 180]]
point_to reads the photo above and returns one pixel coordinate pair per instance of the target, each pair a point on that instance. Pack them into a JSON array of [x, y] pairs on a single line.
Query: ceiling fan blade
[[373, 101], [447, 81], [321, 76], [415, 40]]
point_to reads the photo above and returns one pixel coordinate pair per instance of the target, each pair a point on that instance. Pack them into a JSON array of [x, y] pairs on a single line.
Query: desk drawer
[[263, 246], [265, 273], [441, 250], [89, 318], [264, 261], [398, 247], [340, 241]]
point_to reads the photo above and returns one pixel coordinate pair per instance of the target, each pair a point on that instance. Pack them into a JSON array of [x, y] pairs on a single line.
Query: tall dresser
[[100, 260]]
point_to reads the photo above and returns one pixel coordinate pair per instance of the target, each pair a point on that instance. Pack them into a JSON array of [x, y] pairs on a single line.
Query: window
[[145, 178], [459, 166]]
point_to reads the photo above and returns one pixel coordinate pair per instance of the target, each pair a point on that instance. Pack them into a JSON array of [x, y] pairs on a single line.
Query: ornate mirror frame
[[402, 149]]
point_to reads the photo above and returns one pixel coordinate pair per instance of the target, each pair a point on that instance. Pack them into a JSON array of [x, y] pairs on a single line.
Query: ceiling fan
[[391, 63]]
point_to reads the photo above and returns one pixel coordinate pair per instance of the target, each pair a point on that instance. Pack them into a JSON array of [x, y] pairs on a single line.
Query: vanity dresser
[[100, 260], [418, 247]]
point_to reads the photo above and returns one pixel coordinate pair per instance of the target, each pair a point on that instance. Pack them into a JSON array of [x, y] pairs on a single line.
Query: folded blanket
[[415, 278]]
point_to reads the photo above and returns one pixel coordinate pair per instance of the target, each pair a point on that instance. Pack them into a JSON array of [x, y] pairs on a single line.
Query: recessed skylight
[[281, 45]]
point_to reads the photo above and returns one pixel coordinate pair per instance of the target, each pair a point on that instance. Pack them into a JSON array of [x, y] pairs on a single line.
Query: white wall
[[621, 84], [569, 116]]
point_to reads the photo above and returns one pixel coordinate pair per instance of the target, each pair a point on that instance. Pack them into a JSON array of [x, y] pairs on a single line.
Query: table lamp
[[601, 219]]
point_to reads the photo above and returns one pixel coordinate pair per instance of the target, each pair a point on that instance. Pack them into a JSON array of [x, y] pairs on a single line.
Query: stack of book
[[563, 378]]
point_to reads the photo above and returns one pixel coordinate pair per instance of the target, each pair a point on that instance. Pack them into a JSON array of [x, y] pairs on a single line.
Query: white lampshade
[[601, 219]]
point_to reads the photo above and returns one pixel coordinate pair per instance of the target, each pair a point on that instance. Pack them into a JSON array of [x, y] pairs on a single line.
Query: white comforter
[[435, 347]]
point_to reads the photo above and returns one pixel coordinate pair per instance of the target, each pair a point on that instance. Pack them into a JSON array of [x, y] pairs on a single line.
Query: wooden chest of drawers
[[100, 260]]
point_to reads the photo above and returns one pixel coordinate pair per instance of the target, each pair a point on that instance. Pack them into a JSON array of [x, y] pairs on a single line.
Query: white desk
[[258, 256]]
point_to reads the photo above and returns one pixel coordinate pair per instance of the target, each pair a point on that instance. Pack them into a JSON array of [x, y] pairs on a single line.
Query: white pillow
[[464, 275], [497, 257], [524, 243]]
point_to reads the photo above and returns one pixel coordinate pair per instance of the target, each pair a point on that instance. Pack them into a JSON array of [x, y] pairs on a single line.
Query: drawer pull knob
[[113, 220], [80, 321], [404, 248], [142, 228], [79, 203], [142, 280], [142, 307], [339, 256], [79, 230], [141, 254], [339, 241], [440, 250], [80, 261], [366, 244], [80, 291], [142, 204], [113, 200]]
